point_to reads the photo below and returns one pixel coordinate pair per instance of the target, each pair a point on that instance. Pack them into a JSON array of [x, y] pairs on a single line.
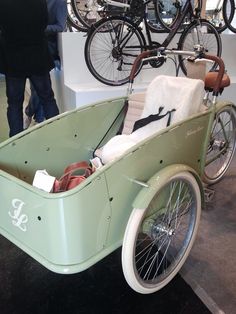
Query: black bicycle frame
[[187, 8]]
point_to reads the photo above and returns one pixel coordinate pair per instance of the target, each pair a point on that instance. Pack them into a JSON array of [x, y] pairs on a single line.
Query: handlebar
[[163, 53]]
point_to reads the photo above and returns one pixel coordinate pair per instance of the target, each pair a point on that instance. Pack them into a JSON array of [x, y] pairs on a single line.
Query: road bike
[[89, 12], [113, 43]]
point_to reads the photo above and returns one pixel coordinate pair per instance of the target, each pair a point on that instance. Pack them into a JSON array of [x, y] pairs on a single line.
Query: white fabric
[[135, 108], [115, 147], [180, 93]]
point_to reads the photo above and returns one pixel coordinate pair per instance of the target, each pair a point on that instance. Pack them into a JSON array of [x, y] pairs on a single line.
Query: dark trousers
[[35, 106], [15, 89]]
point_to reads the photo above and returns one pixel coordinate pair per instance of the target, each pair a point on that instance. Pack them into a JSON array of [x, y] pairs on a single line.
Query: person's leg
[[34, 107], [15, 88], [42, 85]]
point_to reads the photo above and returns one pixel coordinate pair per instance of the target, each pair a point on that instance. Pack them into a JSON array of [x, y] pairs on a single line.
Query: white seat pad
[[182, 94]]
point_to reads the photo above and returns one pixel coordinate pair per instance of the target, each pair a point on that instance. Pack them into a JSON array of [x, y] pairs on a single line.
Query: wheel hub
[[219, 145], [116, 53], [162, 228], [153, 229]]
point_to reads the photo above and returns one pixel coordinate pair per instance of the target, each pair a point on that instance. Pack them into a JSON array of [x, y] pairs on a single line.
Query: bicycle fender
[[157, 181], [221, 104]]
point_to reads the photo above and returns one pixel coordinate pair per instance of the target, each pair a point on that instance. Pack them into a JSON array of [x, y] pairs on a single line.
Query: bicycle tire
[[218, 16], [84, 13], [152, 20], [166, 13], [72, 21], [210, 40], [229, 18], [106, 59], [221, 146]]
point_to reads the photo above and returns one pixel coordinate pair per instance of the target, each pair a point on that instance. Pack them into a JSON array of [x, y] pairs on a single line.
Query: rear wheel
[[221, 146], [204, 35], [111, 48], [158, 238], [229, 8]]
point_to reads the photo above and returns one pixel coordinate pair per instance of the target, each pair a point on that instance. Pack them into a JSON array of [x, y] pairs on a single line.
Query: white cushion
[[180, 93], [115, 147]]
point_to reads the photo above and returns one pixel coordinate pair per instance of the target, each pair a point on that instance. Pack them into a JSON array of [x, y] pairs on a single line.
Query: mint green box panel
[[65, 230], [57, 142], [68, 232]]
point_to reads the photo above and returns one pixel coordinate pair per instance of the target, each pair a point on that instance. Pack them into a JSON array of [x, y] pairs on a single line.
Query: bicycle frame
[[187, 8]]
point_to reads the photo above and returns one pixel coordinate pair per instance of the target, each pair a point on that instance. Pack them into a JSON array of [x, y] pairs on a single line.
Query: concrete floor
[[211, 267]]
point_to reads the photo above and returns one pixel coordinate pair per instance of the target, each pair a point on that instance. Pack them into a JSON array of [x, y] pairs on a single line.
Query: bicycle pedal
[[209, 194]]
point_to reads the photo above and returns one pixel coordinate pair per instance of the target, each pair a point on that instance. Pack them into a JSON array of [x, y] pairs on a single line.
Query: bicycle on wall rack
[[113, 43], [217, 12], [89, 12], [161, 14]]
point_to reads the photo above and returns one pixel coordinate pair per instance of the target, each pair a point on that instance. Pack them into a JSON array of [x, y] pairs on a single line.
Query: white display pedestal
[[75, 86]]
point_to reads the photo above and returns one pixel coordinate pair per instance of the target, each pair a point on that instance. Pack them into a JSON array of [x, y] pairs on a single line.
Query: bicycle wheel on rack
[[229, 9], [111, 48], [216, 12], [221, 145], [89, 12], [72, 21], [167, 12], [204, 35], [158, 238]]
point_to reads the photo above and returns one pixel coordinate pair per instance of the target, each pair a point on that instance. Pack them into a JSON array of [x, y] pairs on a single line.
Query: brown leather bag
[[69, 179]]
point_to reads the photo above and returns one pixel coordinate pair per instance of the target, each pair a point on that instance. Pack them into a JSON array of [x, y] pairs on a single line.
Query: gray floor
[[211, 267]]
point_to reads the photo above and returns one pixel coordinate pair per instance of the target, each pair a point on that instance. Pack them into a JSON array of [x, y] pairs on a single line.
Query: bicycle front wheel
[[111, 48], [229, 8], [158, 238], [206, 36], [221, 145]]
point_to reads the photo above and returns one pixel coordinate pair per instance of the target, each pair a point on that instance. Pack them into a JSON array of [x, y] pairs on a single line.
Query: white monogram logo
[[18, 219]]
